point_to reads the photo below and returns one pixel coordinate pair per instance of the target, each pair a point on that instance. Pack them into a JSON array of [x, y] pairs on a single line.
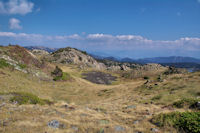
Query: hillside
[[125, 101]]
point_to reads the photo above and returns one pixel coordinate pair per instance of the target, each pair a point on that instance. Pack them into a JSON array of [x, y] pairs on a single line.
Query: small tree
[[57, 72]]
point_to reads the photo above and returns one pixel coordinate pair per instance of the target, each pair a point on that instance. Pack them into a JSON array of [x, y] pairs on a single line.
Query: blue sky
[[122, 28]]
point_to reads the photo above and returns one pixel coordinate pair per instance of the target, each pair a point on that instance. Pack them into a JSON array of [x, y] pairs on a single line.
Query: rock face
[[144, 70], [73, 56], [173, 70], [115, 65], [99, 77]]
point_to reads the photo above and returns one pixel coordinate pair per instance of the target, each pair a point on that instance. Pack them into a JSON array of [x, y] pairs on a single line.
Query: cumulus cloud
[[119, 45], [14, 23], [16, 7]]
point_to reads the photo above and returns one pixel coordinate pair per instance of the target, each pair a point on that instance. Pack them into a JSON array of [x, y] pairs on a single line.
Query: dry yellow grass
[[96, 107]]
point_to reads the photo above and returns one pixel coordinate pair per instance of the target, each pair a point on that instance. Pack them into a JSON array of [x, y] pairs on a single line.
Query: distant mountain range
[[50, 50], [171, 59], [176, 61], [159, 60]]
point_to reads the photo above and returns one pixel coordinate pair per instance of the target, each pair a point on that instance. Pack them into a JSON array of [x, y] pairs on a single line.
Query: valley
[[84, 95]]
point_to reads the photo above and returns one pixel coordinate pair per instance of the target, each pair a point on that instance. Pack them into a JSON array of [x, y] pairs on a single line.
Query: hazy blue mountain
[[41, 48], [128, 60], [171, 59]]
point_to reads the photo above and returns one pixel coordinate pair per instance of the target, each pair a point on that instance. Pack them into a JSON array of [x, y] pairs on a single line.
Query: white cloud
[[99, 36], [133, 44], [7, 34], [198, 1], [16, 7], [14, 23]]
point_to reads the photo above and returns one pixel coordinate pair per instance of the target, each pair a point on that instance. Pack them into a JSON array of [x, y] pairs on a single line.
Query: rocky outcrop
[[144, 70], [116, 66], [73, 56], [23, 60], [39, 52]]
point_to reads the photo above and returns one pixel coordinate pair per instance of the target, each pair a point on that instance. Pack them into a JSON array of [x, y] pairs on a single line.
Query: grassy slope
[[94, 105]]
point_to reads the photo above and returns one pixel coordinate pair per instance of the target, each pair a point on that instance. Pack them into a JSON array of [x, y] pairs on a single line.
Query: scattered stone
[[3, 104], [131, 107], [119, 129], [155, 130], [75, 128], [136, 122], [54, 124], [196, 105]]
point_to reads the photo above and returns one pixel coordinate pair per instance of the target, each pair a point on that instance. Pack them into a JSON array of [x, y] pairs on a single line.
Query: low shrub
[[65, 76], [3, 63], [58, 74], [158, 97], [185, 103], [22, 66], [188, 122], [28, 98]]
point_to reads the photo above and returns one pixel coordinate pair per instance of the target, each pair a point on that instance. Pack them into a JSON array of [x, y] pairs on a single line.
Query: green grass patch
[[22, 66], [3, 63], [28, 98], [158, 97], [186, 102], [184, 121]]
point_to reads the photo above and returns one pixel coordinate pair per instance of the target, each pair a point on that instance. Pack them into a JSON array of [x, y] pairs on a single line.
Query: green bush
[[145, 77], [186, 121], [58, 74], [185, 103], [65, 76], [3, 63], [28, 98], [22, 66]]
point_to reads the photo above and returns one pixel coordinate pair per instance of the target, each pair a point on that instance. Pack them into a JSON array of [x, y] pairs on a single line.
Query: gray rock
[[54, 124], [119, 129], [198, 105], [74, 56], [3, 104], [136, 122], [75, 128], [155, 130], [131, 107]]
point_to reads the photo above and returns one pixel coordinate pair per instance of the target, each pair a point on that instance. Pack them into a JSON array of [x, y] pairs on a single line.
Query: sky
[[120, 28]]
